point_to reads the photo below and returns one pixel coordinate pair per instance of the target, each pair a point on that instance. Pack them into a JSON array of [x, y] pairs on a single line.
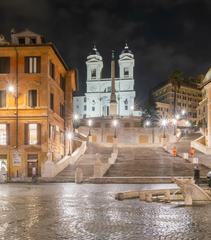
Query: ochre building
[[35, 104]]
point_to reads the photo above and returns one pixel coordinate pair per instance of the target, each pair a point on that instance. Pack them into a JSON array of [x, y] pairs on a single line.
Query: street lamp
[[183, 112], [89, 124], [177, 116], [188, 123], [69, 137], [11, 89], [132, 109], [147, 123], [115, 123], [164, 123], [75, 120], [174, 121]]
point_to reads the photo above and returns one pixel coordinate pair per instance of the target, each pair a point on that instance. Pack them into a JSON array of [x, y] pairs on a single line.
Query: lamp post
[[164, 124], [75, 121], [69, 137], [13, 90], [174, 121], [89, 124], [115, 122], [132, 109], [148, 123], [183, 112]]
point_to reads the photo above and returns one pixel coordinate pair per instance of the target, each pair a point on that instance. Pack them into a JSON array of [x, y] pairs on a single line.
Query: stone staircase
[[85, 162], [150, 162]]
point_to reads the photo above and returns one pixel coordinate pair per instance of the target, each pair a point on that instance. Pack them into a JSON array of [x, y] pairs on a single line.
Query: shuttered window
[[51, 69], [32, 133], [2, 98], [62, 82], [32, 98], [52, 101], [32, 64], [62, 111], [4, 64], [4, 134]]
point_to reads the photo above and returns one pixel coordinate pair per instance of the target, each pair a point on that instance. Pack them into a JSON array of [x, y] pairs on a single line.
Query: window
[[32, 64], [93, 109], [61, 137], [51, 69], [32, 133], [62, 111], [62, 82], [93, 73], [126, 72], [52, 131], [126, 107], [2, 98], [52, 101], [33, 40], [32, 98], [84, 107], [3, 134], [21, 40], [4, 64]]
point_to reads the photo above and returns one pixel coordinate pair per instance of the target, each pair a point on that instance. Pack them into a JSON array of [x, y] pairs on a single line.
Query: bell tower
[[126, 63], [94, 65]]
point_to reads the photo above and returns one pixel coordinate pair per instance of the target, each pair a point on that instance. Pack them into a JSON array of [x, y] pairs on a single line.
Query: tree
[[150, 114], [176, 78]]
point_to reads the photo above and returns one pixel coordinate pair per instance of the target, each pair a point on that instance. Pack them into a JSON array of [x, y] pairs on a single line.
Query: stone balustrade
[[101, 168], [51, 169]]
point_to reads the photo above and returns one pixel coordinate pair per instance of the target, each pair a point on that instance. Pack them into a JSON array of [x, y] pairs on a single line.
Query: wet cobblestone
[[83, 212]]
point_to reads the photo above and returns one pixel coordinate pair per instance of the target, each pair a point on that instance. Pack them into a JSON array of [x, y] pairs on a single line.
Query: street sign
[[16, 157]]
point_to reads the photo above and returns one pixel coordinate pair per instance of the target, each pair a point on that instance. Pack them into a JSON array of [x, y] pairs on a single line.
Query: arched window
[[126, 72], [93, 73]]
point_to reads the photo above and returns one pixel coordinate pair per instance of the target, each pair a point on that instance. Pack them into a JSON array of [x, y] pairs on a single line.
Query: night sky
[[164, 35]]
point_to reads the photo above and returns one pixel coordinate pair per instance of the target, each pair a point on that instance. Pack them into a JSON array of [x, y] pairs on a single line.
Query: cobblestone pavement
[[83, 212]]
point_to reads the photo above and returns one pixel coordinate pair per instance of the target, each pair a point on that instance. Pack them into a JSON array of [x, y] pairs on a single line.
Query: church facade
[[96, 101]]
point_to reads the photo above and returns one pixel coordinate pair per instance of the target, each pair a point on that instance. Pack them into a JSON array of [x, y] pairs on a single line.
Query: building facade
[[35, 103], [163, 109], [188, 98], [96, 102]]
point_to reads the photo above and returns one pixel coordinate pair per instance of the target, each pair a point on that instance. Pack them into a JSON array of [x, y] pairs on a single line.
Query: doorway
[[32, 162]]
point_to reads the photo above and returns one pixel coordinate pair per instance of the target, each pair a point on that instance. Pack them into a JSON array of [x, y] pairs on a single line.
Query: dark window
[[126, 72], [93, 109], [84, 107], [62, 82], [4, 64], [126, 107], [62, 111], [32, 98], [2, 98], [33, 40], [52, 101], [51, 69], [32, 64], [21, 41], [93, 73], [61, 137]]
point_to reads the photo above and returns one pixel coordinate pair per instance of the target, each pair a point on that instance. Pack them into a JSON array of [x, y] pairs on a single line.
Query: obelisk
[[113, 102]]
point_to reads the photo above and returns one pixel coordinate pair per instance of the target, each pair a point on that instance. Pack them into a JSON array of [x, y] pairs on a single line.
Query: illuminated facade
[[188, 98], [96, 102], [35, 103]]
